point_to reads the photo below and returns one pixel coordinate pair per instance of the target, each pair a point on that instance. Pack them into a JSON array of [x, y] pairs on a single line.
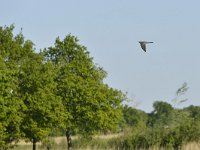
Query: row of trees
[[165, 126], [59, 87]]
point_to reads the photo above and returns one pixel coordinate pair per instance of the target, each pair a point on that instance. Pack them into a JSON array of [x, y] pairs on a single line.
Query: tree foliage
[[134, 117], [166, 127], [43, 110], [11, 105], [60, 87], [91, 104]]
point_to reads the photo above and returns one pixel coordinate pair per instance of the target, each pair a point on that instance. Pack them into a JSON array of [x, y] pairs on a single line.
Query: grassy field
[[60, 143], [101, 143]]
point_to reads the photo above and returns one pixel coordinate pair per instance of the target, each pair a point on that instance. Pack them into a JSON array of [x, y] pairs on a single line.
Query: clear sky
[[111, 29]]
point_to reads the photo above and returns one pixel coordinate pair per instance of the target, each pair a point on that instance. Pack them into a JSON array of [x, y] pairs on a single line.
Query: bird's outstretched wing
[[143, 46]]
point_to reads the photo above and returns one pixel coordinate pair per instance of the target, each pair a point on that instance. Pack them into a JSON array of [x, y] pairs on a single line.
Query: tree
[[59, 87], [43, 110], [162, 114], [10, 104], [91, 104], [134, 117], [29, 107], [10, 117], [194, 112]]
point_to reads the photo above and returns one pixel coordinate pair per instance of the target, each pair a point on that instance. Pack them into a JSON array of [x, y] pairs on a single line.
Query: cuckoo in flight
[[143, 44]]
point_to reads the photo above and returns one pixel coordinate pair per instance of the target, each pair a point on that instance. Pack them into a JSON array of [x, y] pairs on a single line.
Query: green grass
[[97, 143]]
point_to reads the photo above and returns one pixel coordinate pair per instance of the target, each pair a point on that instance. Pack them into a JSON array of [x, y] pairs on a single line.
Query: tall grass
[[100, 143]]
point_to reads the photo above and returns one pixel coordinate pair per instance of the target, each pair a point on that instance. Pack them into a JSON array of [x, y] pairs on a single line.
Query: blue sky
[[111, 29]]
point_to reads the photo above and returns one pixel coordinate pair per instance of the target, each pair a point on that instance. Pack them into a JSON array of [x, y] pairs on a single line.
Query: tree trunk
[[69, 140], [34, 144]]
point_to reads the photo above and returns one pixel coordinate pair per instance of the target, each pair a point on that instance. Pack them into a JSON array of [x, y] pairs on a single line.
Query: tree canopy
[[91, 104], [59, 87]]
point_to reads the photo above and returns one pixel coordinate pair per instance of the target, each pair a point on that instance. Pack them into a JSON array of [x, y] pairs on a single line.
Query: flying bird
[[143, 44]]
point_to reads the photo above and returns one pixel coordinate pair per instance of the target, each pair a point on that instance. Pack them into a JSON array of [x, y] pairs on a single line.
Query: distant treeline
[[165, 126]]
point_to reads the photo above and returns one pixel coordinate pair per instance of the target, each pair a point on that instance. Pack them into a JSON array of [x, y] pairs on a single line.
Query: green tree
[[161, 115], [29, 107], [44, 110], [134, 117], [91, 104], [194, 112], [10, 103]]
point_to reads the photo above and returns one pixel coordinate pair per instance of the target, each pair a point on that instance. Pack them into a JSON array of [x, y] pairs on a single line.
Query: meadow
[[100, 142]]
